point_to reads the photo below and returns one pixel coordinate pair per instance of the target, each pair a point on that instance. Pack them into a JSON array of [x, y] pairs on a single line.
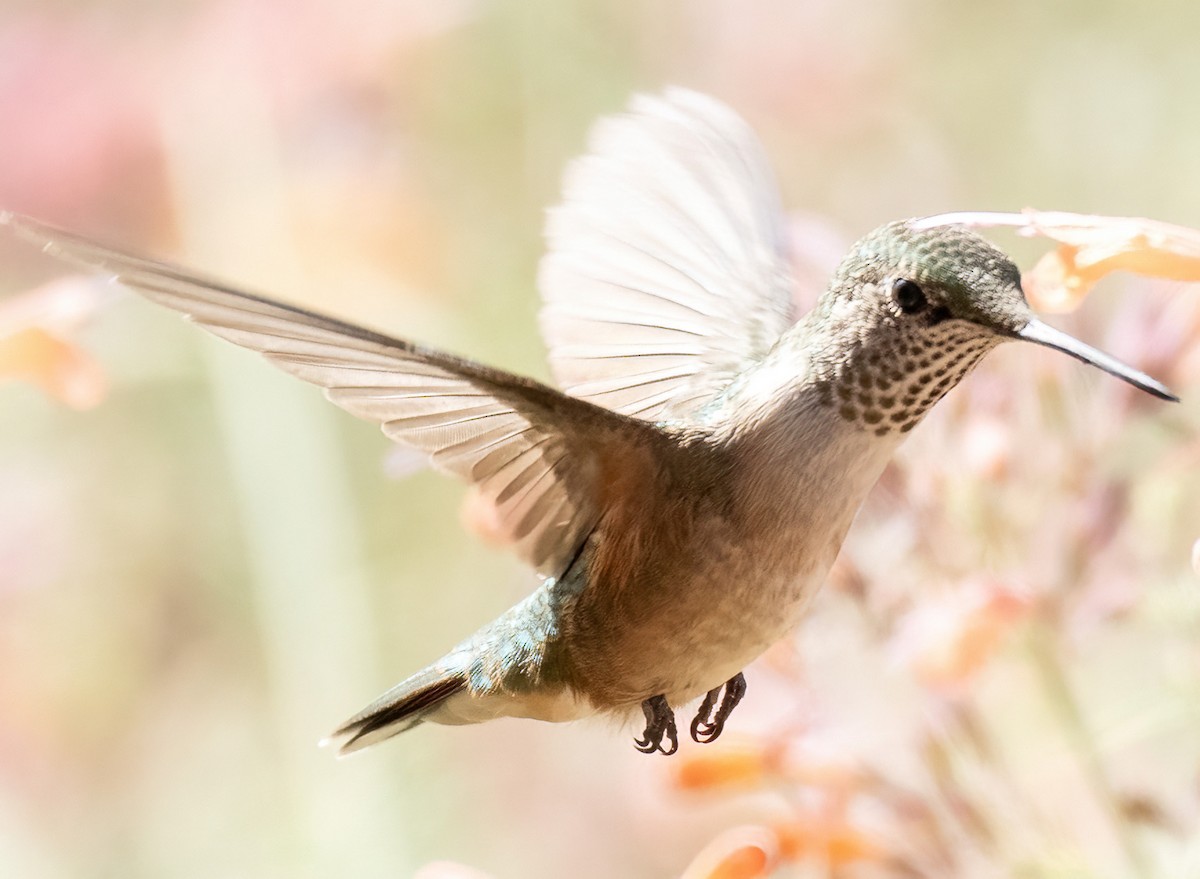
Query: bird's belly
[[684, 635], [715, 640], [684, 602]]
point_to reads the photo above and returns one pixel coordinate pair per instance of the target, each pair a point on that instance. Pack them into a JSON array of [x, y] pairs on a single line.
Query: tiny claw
[[660, 724], [700, 723], [706, 729]]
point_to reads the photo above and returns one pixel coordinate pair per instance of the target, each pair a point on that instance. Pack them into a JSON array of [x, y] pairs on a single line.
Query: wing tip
[[30, 230], [62, 244]]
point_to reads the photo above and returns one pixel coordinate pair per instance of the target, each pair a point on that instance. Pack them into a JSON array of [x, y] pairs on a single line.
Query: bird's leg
[[660, 724], [705, 730]]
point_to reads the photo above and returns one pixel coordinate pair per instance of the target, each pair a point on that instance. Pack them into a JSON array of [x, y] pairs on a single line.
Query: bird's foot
[[706, 726], [660, 725]]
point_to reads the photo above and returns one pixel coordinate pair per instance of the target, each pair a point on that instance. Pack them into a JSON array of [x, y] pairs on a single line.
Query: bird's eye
[[908, 295]]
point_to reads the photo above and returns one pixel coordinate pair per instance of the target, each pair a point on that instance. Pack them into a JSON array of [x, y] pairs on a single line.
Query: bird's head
[[912, 308]]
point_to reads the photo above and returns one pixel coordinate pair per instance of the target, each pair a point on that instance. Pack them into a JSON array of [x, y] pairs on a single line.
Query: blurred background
[[204, 566]]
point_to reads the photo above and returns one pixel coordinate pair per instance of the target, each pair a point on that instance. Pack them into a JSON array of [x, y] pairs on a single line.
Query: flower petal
[[749, 852], [64, 371], [744, 765]]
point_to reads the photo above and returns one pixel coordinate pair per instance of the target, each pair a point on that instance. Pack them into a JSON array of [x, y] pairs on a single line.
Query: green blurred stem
[[305, 557], [1043, 651]]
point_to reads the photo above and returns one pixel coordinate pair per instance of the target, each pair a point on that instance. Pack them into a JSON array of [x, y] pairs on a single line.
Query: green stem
[[1061, 698]]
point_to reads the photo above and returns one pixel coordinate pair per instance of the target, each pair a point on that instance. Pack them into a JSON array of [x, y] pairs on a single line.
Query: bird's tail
[[400, 708]]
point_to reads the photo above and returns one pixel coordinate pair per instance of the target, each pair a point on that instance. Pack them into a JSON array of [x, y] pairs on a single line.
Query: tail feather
[[399, 709]]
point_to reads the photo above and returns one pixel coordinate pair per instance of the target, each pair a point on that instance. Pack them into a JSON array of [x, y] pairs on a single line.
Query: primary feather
[[534, 451]]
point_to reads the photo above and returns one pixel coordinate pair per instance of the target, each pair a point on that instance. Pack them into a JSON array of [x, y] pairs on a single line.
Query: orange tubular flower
[[741, 853], [832, 842], [754, 852], [1091, 246], [747, 764]]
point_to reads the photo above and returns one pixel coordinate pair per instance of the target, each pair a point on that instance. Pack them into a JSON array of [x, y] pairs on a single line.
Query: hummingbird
[[686, 489]]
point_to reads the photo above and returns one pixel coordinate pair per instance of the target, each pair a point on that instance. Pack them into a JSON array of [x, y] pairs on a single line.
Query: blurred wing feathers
[[667, 271], [535, 452]]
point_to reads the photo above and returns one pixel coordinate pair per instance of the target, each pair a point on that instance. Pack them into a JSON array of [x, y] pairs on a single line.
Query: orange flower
[[754, 852], [832, 841], [741, 853], [1091, 246], [745, 764], [35, 345]]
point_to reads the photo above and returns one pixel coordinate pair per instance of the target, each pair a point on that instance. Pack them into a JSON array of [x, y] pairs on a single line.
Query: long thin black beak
[[1043, 334]]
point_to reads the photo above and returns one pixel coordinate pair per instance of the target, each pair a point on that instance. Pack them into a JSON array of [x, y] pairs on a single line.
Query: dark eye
[[908, 295]]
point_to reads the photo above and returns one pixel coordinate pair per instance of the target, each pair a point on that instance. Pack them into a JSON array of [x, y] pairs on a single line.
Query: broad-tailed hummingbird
[[686, 492]]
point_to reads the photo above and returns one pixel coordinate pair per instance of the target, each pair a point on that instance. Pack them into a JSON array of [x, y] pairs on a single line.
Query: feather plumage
[[534, 451], [667, 270]]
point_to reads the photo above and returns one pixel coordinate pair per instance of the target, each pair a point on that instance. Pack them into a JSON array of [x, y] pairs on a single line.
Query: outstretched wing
[[534, 451], [667, 271]]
